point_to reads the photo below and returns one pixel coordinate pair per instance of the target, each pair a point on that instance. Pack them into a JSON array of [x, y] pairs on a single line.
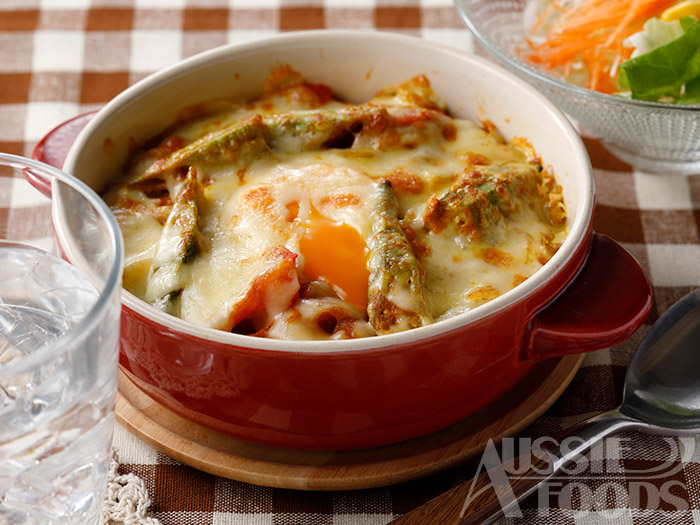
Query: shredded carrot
[[592, 34], [545, 14]]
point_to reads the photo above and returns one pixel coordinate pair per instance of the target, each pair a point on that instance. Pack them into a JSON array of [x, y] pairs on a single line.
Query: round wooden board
[[224, 456]]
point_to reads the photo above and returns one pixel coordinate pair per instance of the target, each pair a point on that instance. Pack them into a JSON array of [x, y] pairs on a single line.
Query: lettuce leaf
[[668, 70], [692, 92], [655, 33]]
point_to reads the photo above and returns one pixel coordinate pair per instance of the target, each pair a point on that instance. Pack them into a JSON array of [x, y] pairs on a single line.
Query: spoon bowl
[[662, 387]]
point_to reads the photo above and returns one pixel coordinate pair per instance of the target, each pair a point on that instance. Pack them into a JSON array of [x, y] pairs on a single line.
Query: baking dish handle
[[53, 148], [606, 302]]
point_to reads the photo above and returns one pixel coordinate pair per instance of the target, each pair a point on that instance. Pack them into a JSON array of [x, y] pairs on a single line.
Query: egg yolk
[[336, 253]]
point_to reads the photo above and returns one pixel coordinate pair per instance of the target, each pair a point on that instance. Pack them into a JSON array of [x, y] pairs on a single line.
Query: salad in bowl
[[627, 72], [641, 49]]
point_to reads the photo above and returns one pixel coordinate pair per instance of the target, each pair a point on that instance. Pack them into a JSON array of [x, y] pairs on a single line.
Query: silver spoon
[[661, 396]]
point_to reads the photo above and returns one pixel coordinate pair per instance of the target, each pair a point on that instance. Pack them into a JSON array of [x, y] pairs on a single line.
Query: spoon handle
[[495, 491]]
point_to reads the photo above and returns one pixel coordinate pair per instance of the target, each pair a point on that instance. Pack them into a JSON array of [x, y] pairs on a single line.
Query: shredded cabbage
[[656, 33]]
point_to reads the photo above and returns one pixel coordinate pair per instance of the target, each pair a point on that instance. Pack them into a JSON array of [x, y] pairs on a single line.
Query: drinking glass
[[60, 280]]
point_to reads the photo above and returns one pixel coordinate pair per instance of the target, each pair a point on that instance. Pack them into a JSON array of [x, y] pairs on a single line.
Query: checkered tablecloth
[[61, 58]]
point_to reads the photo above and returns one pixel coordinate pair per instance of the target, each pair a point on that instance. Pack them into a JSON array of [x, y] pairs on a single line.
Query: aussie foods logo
[[612, 477]]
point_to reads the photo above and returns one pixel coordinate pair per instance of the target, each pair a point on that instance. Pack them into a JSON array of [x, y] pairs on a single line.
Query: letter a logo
[[491, 475]]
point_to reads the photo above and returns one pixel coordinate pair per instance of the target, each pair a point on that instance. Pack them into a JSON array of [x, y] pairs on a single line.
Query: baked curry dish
[[299, 216]]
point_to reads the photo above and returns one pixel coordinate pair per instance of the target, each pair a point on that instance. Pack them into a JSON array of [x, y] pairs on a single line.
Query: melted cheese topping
[[297, 216]]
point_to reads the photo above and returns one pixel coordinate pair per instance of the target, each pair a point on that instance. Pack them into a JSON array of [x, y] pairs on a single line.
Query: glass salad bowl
[[650, 136]]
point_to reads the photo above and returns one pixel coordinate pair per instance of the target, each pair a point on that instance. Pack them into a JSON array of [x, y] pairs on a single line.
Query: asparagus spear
[[325, 128], [477, 203], [241, 143], [395, 292], [178, 246]]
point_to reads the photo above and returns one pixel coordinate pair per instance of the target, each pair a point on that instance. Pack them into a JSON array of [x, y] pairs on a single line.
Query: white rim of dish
[[576, 235]]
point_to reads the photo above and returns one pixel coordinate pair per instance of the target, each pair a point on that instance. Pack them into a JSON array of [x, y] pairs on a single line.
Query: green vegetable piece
[[692, 92], [664, 72], [476, 204], [179, 245], [243, 142], [322, 129], [239, 143], [656, 33], [395, 292], [169, 303]]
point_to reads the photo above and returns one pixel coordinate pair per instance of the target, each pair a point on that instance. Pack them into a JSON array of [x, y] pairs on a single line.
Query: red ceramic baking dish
[[373, 391]]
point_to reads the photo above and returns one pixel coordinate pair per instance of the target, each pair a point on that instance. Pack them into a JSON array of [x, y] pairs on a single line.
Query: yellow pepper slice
[[682, 9]]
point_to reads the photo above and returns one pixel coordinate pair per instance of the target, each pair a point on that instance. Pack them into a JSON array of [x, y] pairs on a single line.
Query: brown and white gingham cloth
[[61, 58]]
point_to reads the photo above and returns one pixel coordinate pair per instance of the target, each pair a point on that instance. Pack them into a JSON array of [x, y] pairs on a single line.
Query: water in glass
[[56, 417]]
